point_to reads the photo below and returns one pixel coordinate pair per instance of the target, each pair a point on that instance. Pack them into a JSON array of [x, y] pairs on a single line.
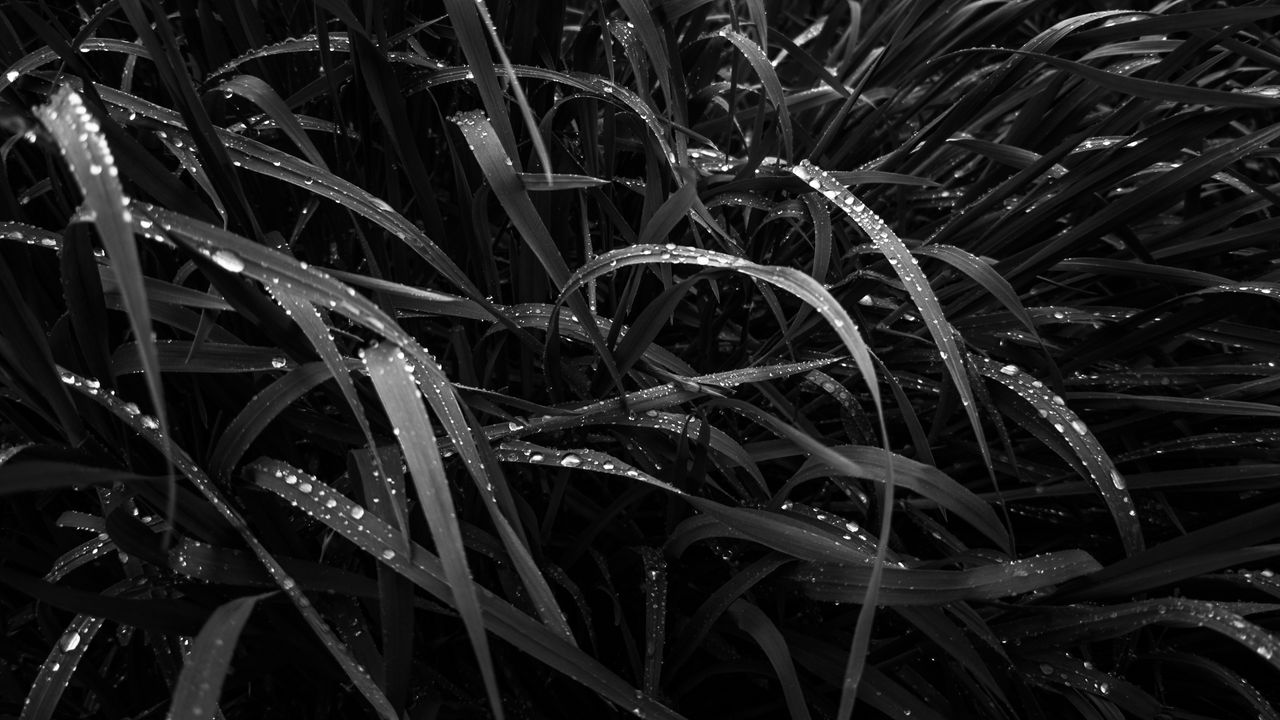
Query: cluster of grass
[[685, 358]]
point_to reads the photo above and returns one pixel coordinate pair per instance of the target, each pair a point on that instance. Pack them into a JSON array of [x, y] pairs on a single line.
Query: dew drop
[[571, 460], [228, 261], [357, 512], [71, 642], [388, 554]]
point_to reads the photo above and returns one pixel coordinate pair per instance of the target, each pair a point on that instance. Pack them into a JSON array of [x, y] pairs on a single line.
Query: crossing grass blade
[[1071, 436], [427, 571], [1087, 196], [791, 280], [768, 78], [148, 428], [249, 423]]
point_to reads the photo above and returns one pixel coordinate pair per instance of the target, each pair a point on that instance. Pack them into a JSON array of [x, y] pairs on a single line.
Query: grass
[[688, 359]]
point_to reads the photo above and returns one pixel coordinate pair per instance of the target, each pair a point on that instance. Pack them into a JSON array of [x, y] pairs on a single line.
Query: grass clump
[[682, 359]]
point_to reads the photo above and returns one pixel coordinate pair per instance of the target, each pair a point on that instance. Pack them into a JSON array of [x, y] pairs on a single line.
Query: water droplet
[[304, 487], [11, 76], [228, 261], [1117, 479], [278, 362], [388, 554], [71, 642], [357, 512], [571, 460]]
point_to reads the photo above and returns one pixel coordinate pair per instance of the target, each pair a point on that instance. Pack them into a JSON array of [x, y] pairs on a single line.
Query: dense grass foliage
[[682, 358]]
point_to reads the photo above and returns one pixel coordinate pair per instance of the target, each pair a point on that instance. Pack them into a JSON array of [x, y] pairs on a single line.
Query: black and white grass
[[679, 359]]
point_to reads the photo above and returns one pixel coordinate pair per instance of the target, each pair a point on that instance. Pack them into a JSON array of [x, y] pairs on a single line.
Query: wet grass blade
[[768, 78], [1072, 437], [84, 148], [249, 423], [789, 279], [426, 570], [54, 675], [148, 428], [901, 586], [398, 390], [195, 697], [761, 629]]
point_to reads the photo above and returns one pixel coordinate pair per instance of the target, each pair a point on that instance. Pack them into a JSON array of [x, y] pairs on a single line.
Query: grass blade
[[402, 400], [209, 660]]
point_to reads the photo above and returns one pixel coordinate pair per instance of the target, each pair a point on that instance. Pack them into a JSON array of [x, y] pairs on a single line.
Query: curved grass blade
[[261, 410], [918, 287], [599, 87], [983, 274], [789, 279], [498, 170], [768, 78], [258, 92], [1081, 446], [402, 400], [758, 625], [1205, 668], [925, 479], [307, 316], [696, 629], [209, 660]]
